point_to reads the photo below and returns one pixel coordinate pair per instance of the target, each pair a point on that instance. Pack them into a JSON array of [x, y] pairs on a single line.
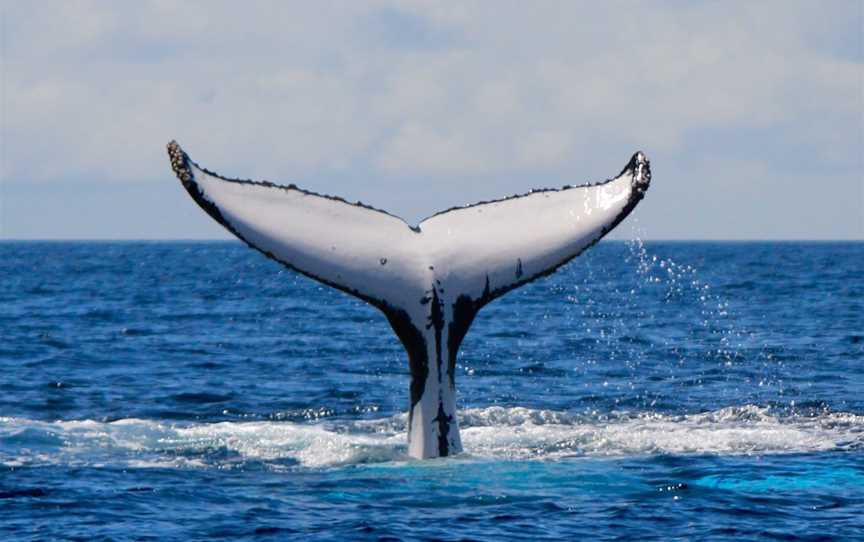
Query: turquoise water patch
[[806, 479]]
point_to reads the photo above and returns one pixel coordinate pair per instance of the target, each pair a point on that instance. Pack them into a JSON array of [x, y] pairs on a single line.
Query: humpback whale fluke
[[429, 280]]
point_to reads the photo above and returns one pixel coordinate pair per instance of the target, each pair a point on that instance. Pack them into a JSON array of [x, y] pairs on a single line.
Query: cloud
[[417, 148], [385, 89]]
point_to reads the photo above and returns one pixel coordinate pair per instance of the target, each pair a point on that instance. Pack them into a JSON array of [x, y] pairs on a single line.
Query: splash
[[728, 341], [677, 282], [493, 433]]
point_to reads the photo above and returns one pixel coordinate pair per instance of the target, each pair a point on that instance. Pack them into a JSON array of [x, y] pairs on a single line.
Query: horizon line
[[218, 240]]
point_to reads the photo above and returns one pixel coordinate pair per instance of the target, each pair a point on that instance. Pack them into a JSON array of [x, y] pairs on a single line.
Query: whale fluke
[[429, 280]]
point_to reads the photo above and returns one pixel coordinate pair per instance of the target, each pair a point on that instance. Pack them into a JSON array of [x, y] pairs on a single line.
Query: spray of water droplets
[[670, 324]]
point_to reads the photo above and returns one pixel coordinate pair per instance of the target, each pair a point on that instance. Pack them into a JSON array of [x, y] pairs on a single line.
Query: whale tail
[[429, 280]]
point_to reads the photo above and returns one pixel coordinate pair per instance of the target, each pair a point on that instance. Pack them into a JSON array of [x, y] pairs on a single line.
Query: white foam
[[734, 430], [487, 433]]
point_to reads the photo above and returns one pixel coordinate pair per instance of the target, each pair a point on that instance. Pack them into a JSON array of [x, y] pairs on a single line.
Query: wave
[[515, 433]]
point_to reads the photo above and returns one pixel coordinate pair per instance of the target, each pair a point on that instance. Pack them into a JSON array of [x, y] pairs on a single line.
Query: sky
[[752, 113]]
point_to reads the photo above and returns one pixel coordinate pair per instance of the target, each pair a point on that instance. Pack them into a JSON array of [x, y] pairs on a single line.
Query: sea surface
[[656, 391]]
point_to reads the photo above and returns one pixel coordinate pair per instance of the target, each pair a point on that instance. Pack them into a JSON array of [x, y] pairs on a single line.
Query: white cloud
[[544, 148], [416, 148], [280, 90]]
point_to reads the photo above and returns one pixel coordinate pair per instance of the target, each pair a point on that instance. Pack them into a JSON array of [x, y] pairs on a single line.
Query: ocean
[[646, 391]]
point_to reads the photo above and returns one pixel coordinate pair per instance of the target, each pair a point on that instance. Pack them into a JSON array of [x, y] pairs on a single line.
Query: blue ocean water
[[198, 391]]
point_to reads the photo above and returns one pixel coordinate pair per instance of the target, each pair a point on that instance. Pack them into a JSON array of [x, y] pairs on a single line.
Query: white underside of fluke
[[429, 280]]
